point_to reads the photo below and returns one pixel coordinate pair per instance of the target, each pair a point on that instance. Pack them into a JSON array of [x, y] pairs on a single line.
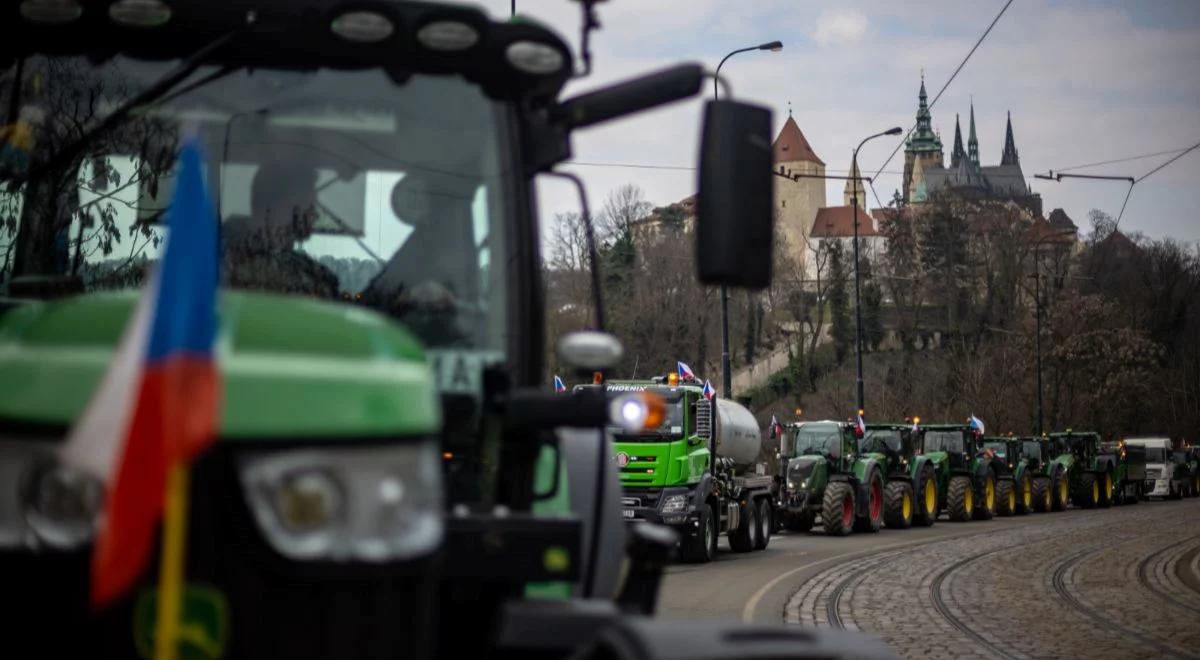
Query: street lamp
[[1037, 303], [858, 334], [726, 376]]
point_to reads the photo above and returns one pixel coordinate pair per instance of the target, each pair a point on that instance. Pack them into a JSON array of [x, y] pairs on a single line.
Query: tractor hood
[[290, 368], [801, 468]]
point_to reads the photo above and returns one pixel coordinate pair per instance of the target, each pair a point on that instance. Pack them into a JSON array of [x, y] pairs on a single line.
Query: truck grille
[[1153, 473], [704, 418]]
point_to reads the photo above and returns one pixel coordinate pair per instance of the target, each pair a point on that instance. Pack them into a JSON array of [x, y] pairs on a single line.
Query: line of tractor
[[703, 468]]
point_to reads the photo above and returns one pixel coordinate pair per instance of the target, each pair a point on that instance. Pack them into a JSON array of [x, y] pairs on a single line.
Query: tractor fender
[[1019, 471], [918, 467]]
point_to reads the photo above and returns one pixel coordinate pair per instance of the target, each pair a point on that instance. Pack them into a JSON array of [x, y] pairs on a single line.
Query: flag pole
[[171, 567]]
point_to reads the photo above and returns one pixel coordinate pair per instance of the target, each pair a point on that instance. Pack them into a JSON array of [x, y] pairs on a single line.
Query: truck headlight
[[368, 504], [675, 503]]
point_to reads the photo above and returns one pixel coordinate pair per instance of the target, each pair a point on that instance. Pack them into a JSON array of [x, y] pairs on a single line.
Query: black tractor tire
[[1177, 494], [1106, 489], [1043, 499], [873, 521], [925, 514], [960, 498], [838, 500], [898, 505], [799, 522], [1118, 497], [1006, 498], [1134, 495], [702, 548], [742, 538], [983, 509], [1024, 496], [765, 524], [1087, 495], [1060, 494]]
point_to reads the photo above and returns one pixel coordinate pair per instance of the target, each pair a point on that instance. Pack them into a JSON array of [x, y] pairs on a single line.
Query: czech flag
[[685, 372], [156, 407], [709, 391], [977, 423], [559, 385], [776, 427], [860, 424]]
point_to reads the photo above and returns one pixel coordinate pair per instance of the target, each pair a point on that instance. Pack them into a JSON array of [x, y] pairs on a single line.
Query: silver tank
[[738, 435]]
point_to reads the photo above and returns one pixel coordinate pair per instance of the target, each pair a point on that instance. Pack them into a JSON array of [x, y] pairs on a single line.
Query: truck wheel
[[927, 499], [873, 521], [1106, 489], [960, 498], [898, 506], [986, 510], [799, 522], [837, 508], [1087, 496], [703, 547], [765, 524], [1025, 496], [1006, 498], [1061, 492], [742, 538], [1043, 500]]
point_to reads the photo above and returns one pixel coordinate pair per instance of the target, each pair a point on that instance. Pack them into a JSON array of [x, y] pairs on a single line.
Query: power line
[[952, 76], [1117, 160], [1181, 155]]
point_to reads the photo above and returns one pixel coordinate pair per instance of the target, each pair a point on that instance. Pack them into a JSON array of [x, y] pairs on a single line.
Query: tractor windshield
[[1000, 449], [819, 439], [1032, 449], [882, 441], [333, 184], [950, 442]]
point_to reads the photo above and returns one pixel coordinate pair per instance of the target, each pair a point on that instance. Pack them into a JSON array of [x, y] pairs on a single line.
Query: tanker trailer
[[695, 470]]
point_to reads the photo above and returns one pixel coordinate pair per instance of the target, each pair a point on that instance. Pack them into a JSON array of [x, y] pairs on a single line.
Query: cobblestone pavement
[[1117, 582]]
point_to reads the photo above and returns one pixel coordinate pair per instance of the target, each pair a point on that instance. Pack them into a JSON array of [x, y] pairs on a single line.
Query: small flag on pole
[[977, 423], [709, 391], [860, 424], [685, 372], [559, 385], [776, 427]]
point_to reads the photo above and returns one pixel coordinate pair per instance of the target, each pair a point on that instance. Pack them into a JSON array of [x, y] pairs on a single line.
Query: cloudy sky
[[1085, 81]]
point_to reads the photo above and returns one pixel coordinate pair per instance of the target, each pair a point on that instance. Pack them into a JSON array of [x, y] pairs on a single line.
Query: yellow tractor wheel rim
[[1012, 500], [906, 506], [1095, 492], [970, 499], [1108, 485], [1026, 494], [989, 494], [1062, 490], [1047, 498], [930, 497]]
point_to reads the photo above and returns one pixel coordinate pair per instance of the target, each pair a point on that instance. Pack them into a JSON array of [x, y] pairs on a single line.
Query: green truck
[[697, 471], [911, 494], [825, 478], [389, 464], [966, 474]]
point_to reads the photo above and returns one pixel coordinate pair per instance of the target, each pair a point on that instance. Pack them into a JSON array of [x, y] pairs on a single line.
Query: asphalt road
[[770, 586]]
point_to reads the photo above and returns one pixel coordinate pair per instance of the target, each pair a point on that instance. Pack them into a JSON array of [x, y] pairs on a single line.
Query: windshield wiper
[[156, 91]]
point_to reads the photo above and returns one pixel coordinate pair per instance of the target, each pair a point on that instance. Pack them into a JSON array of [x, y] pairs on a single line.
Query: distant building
[[837, 222], [797, 201]]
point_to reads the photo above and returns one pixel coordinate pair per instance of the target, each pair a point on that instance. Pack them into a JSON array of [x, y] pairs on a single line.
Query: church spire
[[957, 154], [1010, 156], [972, 142], [854, 187]]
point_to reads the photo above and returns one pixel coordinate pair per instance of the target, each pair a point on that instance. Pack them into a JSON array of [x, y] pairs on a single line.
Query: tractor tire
[[702, 548], [1087, 496], [960, 499], [1006, 498], [898, 505], [873, 521], [799, 522], [927, 499], [986, 509], [1118, 497], [1134, 495], [1060, 493], [1106, 489], [1043, 499], [1025, 496], [765, 524], [837, 508], [742, 538]]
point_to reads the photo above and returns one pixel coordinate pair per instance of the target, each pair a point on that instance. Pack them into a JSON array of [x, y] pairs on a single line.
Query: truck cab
[[1162, 479]]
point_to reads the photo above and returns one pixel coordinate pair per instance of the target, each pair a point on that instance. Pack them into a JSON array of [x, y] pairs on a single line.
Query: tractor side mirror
[[735, 202], [625, 98]]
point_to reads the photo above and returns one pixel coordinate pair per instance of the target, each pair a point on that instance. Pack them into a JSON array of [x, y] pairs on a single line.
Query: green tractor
[[966, 474], [1129, 471], [1090, 473], [1035, 455], [825, 477], [1059, 463], [1192, 454], [911, 494], [1014, 488]]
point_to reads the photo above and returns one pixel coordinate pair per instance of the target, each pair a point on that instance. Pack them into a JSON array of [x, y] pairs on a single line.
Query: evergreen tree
[[839, 304]]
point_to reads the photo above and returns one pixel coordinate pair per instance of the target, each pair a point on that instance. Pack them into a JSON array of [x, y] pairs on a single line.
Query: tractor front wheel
[[1006, 497], [1043, 499], [1061, 492], [960, 499], [837, 508], [985, 506], [1087, 495], [1025, 496], [898, 508], [871, 522], [927, 499], [1106, 489]]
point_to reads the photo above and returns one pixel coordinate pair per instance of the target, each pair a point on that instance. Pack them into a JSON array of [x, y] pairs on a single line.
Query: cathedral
[[925, 171]]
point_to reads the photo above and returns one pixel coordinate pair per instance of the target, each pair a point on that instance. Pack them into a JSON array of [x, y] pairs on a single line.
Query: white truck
[[1162, 477]]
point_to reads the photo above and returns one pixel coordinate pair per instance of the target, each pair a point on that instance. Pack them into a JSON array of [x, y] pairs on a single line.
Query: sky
[[1085, 82]]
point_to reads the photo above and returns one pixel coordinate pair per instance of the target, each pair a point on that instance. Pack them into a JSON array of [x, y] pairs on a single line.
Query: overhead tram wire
[[951, 79], [1119, 160], [1181, 155]]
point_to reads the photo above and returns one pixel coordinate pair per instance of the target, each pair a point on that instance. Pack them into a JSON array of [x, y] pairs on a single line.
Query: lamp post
[[1037, 303], [858, 338], [726, 376]]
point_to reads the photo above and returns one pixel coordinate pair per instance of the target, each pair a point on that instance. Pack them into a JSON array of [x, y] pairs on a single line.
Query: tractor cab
[[895, 441], [960, 443], [1033, 449], [1083, 445]]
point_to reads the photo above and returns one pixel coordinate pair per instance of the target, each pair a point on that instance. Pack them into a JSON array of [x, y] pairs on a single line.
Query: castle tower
[[1010, 156], [797, 201], [923, 144], [958, 153], [854, 188], [972, 142]]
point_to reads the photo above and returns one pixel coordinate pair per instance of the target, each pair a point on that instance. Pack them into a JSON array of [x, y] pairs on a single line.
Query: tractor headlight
[[62, 505], [675, 503], [366, 504]]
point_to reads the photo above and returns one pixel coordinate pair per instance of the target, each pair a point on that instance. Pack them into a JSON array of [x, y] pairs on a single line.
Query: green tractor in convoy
[[825, 478], [1128, 471], [1034, 455], [967, 475], [1091, 474], [1192, 458], [911, 494], [1015, 488]]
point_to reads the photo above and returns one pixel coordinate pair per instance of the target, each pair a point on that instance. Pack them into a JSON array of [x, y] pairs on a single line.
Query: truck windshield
[[330, 184], [1032, 449], [822, 439], [947, 441], [672, 424], [1156, 454], [883, 441]]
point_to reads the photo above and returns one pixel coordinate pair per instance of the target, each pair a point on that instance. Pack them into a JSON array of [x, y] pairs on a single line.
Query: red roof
[[791, 145], [838, 222]]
